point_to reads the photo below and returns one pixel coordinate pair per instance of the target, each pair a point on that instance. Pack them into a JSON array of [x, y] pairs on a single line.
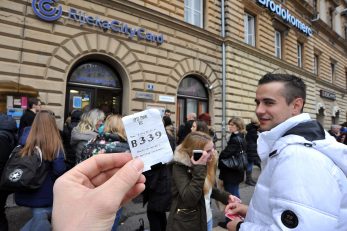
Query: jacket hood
[[77, 135], [302, 130], [182, 157]]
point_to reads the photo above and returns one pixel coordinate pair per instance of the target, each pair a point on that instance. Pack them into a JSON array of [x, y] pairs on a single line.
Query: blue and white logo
[[45, 9]]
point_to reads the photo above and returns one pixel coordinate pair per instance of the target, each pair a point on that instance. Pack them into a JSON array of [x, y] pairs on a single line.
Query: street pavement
[[132, 212]]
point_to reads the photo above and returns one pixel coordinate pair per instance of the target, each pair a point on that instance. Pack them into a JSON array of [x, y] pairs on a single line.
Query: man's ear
[[298, 105]]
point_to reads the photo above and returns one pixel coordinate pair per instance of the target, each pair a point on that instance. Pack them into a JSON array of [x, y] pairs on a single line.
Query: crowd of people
[[297, 157]]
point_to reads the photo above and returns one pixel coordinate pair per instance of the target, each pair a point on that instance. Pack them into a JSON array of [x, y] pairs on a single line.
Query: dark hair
[[32, 101], [294, 87], [201, 126], [167, 110], [167, 121]]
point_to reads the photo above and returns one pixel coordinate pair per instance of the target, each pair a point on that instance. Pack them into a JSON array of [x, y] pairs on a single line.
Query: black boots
[[249, 179]]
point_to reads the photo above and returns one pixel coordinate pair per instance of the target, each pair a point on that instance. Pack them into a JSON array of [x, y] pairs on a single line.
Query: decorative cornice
[[334, 37], [160, 18]]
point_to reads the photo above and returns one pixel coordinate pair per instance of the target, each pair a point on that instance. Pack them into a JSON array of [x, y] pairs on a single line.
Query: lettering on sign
[[327, 94]]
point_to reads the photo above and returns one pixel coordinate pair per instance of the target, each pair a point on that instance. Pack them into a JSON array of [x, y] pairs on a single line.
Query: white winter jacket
[[300, 188]]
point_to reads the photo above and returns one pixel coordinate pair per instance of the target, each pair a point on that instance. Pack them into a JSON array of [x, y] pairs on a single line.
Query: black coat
[[184, 130], [251, 140], [158, 189], [233, 148]]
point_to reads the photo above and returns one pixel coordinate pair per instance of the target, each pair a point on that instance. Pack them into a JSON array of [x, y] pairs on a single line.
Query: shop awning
[[12, 88]]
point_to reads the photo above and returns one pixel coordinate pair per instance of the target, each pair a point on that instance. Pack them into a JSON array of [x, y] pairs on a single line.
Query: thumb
[[123, 182]]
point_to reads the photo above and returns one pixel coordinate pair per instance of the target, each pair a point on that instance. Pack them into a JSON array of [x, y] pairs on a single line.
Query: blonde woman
[[44, 134], [86, 130], [192, 185]]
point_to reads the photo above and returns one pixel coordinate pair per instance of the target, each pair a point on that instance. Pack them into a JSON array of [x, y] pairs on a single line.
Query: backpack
[[106, 143], [25, 173]]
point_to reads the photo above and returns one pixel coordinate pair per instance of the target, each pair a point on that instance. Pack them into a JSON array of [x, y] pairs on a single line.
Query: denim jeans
[[40, 220], [232, 188], [250, 166], [210, 225]]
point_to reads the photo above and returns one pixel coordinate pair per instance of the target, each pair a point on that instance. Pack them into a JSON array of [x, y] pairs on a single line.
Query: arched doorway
[[192, 96], [94, 84]]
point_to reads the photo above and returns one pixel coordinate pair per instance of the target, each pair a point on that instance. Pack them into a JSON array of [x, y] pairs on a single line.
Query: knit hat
[[205, 117]]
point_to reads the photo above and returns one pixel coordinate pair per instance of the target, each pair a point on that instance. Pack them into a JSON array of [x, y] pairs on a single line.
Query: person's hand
[[233, 199], [88, 196], [236, 208], [231, 226], [203, 159]]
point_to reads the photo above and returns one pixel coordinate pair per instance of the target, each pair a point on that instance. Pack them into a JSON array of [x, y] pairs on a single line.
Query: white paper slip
[[147, 137]]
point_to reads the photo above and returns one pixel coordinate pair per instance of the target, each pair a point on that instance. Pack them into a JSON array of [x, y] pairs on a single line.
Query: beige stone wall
[[41, 54], [245, 64]]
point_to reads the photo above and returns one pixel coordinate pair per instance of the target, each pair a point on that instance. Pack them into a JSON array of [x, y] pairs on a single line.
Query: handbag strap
[[241, 144]]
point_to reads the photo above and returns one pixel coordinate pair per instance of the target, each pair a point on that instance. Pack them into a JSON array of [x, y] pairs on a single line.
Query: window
[[299, 52], [278, 44], [192, 96], [345, 32], [193, 12], [332, 65], [315, 6], [331, 17], [249, 29], [315, 64]]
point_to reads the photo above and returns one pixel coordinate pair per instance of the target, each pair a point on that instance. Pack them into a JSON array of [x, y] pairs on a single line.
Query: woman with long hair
[[44, 134], [86, 130], [193, 185]]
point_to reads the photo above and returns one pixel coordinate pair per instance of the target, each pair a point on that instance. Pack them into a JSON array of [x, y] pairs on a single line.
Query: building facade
[[126, 56]]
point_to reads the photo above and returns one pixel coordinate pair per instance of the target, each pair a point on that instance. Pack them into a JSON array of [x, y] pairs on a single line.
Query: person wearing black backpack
[[8, 141], [45, 135]]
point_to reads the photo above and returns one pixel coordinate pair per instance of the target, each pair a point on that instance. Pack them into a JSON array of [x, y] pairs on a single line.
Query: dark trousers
[[157, 220], [3, 219]]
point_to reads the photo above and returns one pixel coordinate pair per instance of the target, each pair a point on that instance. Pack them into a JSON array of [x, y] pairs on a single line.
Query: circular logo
[[289, 219], [15, 175], [45, 9]]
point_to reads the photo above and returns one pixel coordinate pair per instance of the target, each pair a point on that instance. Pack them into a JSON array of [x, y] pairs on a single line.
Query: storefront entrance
[[94, 85]]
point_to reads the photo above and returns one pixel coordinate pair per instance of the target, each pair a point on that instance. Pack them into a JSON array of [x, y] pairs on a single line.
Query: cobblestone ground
[[132, 212]]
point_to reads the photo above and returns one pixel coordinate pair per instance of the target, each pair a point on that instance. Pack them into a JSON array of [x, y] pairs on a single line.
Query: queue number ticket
[[147, 138]]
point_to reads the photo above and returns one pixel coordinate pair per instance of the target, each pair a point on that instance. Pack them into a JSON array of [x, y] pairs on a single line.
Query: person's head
[[91, 120], [45, 134], [76, 116], [205, 117], [278, 98], [202, 141], [191, 116], [7, 123], [167, 112], [34, 104], [236, 124], [335, 128], [200, 126], [114, 125], [167, 121]]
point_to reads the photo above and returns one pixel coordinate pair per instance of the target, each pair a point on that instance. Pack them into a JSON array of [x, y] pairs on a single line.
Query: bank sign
[[286, 16], [50, 10]]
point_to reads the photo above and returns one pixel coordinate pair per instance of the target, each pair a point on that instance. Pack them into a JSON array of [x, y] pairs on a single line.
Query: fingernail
[[137, 164]]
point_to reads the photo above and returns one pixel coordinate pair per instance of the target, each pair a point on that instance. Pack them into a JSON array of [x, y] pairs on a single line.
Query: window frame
[[333, 71], [316, 64], [299, 49], [247, 26], [279, 45], [193, 9]]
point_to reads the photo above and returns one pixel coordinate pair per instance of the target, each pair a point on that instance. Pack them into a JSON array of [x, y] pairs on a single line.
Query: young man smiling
[[303, 185]]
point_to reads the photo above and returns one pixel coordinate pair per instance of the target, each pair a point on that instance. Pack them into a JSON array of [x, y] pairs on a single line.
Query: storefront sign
[[144, 95], [327, 94], [46, 11], [166, 98], [286, 16]]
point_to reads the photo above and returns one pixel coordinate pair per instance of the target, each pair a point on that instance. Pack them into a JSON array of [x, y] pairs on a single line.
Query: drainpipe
[[223, 78]]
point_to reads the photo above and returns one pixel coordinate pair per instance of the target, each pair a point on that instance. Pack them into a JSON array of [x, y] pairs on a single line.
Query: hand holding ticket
[[147, 138]]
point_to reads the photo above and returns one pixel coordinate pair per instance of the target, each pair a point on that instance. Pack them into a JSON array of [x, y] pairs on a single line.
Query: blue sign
[[46, 11], [286, 16]]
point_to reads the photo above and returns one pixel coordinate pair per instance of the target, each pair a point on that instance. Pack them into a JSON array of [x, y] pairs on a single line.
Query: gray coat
[[79, 140]]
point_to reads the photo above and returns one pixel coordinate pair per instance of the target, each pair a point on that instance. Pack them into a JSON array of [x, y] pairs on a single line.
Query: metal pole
[[223, 77]]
